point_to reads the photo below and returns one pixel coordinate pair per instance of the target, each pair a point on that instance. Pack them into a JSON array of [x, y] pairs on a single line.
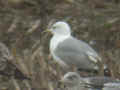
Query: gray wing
[[76, 52], [99, 81], [112, 86]]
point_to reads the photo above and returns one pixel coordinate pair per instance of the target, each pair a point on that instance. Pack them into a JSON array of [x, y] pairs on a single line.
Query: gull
[[74, 80], [69, 52]]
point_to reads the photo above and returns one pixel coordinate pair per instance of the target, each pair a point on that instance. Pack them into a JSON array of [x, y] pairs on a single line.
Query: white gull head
[[71, 79], [61, 28]]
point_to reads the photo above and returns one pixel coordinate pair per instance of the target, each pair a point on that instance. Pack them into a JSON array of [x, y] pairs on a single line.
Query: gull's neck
[[61, 35], [56, 39]]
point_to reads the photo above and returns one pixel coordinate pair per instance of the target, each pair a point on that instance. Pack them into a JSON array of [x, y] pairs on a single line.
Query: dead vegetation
[[23, 21]]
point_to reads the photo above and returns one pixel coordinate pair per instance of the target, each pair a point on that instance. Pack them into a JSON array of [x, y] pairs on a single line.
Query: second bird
[[69, 51]]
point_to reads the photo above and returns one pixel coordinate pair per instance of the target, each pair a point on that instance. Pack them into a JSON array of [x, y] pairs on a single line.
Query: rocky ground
[[21, 25]]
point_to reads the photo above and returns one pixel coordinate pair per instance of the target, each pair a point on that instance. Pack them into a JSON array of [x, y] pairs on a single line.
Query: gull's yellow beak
[[47, 31]]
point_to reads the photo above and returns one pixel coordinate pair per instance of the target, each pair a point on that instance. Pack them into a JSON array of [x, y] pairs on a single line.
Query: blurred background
[[21, 25]]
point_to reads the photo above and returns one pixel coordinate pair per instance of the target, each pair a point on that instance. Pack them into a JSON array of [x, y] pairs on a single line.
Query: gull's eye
[[54, 27], [71, 78]]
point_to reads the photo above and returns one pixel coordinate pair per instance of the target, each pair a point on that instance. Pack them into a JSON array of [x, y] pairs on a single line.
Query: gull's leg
[[74, 69], [101, 69], [58, 69], [83, 73], [56, 66]]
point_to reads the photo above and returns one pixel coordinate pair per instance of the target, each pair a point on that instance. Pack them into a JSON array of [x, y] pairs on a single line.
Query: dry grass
[[22, 24]]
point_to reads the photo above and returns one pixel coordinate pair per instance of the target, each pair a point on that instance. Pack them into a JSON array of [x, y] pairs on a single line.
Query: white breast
[[53, 44], [55, 40]]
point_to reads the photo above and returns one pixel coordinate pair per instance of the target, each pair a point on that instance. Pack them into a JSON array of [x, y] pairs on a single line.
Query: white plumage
[[69, 51]]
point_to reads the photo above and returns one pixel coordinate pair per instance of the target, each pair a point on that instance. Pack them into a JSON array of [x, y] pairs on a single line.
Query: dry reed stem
[[23, 68], [13, 25], [17, 87], [20, 62], [27, 85], [33, 27]]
